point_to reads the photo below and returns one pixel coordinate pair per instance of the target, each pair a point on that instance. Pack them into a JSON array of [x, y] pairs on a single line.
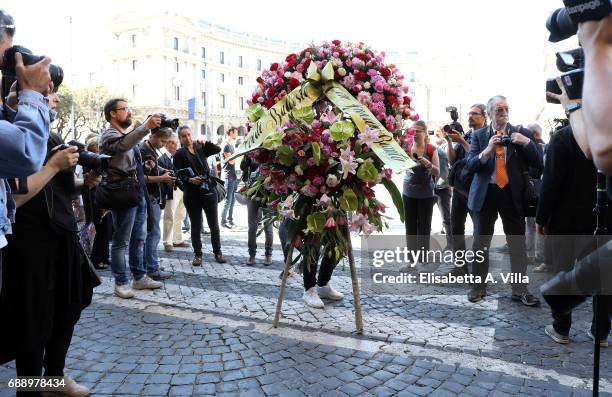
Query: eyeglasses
[[127, 109], [475, 114], [502, 109]]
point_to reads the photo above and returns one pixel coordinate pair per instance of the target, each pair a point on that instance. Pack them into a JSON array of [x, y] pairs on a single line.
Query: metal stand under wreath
[[355, 282]]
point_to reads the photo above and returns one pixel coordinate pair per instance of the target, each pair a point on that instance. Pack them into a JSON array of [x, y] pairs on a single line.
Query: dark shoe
[[101, 266], [231, 224], [183, 244], [197, 261], [602, 342], [459, 271], [526, 299], [220, 259], [554, 335], [168, 247], [476, 294], [160, 275]]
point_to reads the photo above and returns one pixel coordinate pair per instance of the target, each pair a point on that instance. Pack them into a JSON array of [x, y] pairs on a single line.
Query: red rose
[[385, 72], [407, 100], [336, 42], [291, 59], [269, 103], [361, 75], [255, 97], [293, 82], [363, 56], [307, 63], [260, 80], [273, 67], [270, 92]]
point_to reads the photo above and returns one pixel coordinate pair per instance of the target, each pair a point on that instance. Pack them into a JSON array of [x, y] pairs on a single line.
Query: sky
[[508, 35]]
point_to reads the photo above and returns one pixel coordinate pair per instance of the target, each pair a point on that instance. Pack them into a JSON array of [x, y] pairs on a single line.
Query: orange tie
[[501, 174]]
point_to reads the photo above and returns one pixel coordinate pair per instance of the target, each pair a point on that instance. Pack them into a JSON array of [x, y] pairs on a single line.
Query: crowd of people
[[154, 175]]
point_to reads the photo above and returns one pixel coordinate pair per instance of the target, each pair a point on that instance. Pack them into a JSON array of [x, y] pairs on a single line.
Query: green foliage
[[367, 171], [348, 201], [316, 153], [254, 112], [396, 196], [342, 130], [285, 155]]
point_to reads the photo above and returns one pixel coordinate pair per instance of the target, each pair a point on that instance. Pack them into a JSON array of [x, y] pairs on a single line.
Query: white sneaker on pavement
[[146, 282], [311, 298], [73, 389], [329, 292], [124, 291]]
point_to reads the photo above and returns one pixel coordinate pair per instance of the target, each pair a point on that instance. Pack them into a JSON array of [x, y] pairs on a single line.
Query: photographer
[[174, 211], [130, 223], [591, 124], [499, 156], [199, 191], [24, 138], [461, 178], [155, 177], [45, 289]]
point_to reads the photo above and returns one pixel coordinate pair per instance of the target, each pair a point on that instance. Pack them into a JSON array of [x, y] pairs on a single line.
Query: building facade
[[161, 62]]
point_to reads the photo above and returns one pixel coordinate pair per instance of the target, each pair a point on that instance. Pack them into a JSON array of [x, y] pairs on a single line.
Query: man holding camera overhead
[[500, 155], [123, 181]]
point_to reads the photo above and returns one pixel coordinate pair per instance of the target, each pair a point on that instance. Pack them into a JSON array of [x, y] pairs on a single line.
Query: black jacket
[[519, 159], [167, 189], [182, 159], [568, 192]]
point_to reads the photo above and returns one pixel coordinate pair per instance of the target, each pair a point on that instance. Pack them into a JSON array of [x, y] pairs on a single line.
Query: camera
[[454, 125], [506, 141], [571, 63], [8, 65], [167, 123], [184, 174], [90, 160], [563, 22]]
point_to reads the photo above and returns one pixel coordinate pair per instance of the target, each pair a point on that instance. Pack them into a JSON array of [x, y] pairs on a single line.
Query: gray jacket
[[120, 146]]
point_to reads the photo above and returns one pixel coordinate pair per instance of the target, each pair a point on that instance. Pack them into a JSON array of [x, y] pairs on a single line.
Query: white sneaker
[[330, 293], [124, 291], [73, 389], [146, 282], [311, 298]]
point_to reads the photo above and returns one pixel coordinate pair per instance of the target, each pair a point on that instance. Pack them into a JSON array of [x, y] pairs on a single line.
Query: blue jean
[[130, 227], [151, 261], [230, 185]]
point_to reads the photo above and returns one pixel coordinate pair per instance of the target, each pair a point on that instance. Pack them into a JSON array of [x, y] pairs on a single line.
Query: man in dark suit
[[499, 156]]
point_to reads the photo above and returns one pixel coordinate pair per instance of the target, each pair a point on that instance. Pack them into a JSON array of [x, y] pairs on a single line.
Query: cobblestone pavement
[[208, 332]]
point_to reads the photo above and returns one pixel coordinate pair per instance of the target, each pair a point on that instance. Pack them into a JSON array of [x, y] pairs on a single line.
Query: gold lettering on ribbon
[[304, 95], [386, 148]]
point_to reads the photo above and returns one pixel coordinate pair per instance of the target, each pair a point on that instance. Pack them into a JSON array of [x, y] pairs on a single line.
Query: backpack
[[459, 177]]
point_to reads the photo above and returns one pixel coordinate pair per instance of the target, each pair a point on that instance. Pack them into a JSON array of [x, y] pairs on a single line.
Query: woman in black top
[[47, 280], [199, 191]]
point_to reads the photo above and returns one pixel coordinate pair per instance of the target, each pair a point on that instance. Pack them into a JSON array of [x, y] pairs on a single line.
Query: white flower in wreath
[[332, 181], [342, 72], [287, 75], [367, 85], [348, 167], [369, 136]]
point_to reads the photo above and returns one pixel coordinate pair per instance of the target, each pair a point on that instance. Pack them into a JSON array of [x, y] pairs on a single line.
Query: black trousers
[[499, 201], [197, 201], [443, 200], [562, 322], [325, 272], [459, 213], [100, 252], [52, 357], [417, 219]]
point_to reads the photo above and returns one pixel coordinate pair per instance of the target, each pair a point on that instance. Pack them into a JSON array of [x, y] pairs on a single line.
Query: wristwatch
[[571, 108]]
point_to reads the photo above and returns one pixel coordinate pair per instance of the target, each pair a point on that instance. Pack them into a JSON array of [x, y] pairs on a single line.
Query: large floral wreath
[[318, 170]]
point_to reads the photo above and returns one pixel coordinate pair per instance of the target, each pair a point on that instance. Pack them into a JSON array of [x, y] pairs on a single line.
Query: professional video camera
[[454, 125], [90, 160], [562, 24], [8, 68]]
